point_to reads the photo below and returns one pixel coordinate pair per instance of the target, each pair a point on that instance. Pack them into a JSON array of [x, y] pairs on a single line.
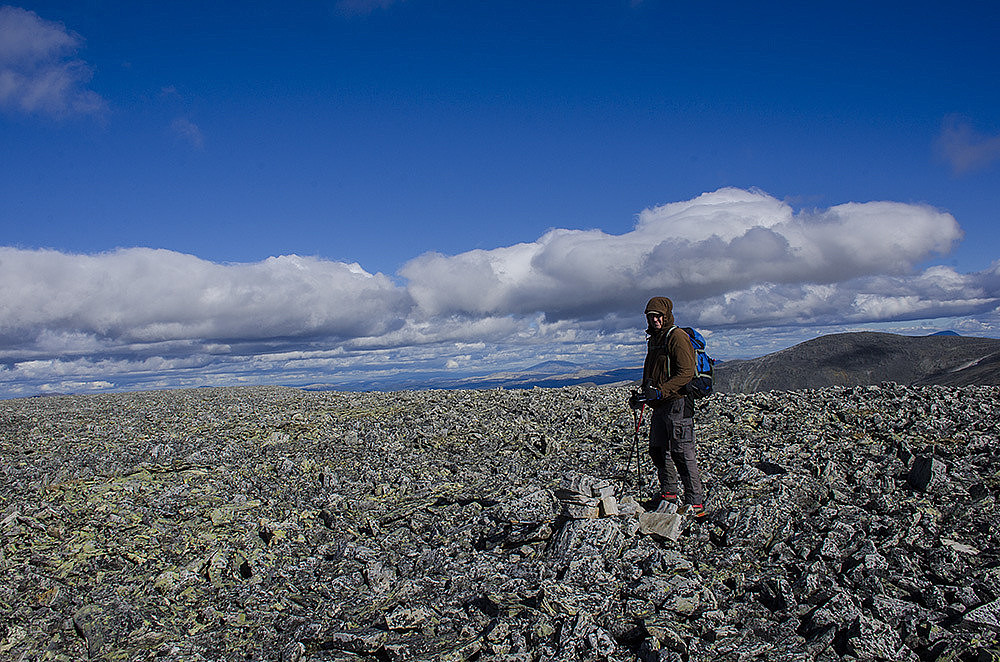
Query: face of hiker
[[662, 308]]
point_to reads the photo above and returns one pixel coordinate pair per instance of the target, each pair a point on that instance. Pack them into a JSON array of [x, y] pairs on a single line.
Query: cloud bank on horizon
[[733, 260]]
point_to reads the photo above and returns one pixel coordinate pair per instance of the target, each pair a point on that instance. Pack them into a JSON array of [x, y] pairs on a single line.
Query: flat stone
[[988, 614], [665, 525], [608, 506]]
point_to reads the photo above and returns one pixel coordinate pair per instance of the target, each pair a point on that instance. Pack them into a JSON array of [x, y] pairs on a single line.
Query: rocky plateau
[[268, 523]]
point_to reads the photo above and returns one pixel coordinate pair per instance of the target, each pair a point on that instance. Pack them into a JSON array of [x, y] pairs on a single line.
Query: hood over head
[[665, 307]]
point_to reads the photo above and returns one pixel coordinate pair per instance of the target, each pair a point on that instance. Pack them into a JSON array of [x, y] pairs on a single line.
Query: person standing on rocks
[[670, 364]]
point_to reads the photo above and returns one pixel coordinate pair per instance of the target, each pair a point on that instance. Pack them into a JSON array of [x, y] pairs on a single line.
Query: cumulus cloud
[[141, 295], [721, 242], [965, 148], [734, 262], [38, 70], [936, 292]]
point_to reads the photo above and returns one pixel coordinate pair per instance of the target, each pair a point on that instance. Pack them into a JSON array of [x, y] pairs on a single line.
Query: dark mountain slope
[[855, 359]]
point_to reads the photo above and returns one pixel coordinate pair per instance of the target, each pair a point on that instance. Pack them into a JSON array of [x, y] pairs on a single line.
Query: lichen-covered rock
[[275, 524]]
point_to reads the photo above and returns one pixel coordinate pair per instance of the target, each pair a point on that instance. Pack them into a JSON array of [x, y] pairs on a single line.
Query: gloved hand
[[649, 393], [633, 400]]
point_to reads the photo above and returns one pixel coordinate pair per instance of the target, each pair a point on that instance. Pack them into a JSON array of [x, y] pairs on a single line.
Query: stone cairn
[[275, 524]]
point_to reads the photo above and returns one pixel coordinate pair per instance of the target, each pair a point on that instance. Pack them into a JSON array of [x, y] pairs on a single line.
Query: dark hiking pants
[[672, 433]]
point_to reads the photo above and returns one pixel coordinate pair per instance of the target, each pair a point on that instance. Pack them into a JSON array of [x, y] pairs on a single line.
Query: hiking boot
[[695, 510], [659, 501]]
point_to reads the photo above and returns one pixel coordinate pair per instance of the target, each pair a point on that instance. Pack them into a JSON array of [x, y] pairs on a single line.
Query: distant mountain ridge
[[550, 374], [842, 359], [547, 375], [867, 357], [552, 368]]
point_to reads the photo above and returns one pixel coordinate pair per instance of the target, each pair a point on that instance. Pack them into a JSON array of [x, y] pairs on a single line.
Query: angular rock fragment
[[665, 525], [406, 618], [927, 473], [988, 615]]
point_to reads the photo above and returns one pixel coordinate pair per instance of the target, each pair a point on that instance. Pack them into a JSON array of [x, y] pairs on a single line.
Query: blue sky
[[359, 192]]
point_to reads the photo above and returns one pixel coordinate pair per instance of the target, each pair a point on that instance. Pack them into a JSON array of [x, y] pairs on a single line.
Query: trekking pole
[[628, 462], [637, 418]]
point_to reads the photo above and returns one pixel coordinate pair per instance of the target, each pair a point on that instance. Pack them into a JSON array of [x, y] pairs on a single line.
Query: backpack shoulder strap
[[666, 338]]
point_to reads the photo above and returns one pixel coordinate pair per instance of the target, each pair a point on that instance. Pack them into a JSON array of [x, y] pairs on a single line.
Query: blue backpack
[[701, 385]]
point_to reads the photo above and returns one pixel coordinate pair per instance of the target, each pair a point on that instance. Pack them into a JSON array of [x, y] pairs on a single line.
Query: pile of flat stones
[[275, 524]]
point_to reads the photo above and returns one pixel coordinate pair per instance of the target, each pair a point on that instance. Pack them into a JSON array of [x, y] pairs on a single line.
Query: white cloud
[[734, 261], [937, 292], [38, 73], [142, 295], [720, 242], [965, 148]]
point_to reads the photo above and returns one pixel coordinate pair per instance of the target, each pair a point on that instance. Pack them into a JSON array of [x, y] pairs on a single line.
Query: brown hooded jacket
[[670, 358]]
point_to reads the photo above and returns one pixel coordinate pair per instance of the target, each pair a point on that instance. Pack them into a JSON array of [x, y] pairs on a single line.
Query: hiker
[[670, 364]]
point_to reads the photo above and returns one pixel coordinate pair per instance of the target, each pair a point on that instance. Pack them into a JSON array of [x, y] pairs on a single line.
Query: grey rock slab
[[665, 525], [988, 615]]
